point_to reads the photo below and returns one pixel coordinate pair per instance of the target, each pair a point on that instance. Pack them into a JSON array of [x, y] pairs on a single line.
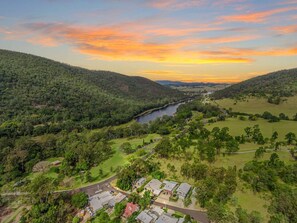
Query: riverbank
[[147, 112]]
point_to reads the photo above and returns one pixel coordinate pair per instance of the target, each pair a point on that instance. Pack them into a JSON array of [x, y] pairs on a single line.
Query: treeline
[[80, 152], [275, 85]]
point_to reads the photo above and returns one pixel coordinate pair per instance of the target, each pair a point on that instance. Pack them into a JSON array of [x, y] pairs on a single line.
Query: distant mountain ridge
[[42, 92], [190, 84], [281, 83]]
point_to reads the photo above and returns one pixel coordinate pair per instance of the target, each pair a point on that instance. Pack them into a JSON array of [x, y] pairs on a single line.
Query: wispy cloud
[[255, 17], [115, 43], [175, 4], [285, 29], [183, 4]]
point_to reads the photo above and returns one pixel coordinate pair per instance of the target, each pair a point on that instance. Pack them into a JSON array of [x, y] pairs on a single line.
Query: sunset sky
[[186, 40]]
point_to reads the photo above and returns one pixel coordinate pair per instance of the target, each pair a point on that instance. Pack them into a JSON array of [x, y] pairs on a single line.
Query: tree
[[284, 205], [41, 189], [290, 137], [164, 147], [79, 200], [274, 136], [232, 146], [126, 147], [75, 220], [88, 177], [260, 152], [119, 209], [219, 213], [101, 217], [145, 200], [100, 173]]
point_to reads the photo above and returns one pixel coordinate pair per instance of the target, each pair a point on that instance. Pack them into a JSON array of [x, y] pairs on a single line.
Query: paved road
[[197, 215]]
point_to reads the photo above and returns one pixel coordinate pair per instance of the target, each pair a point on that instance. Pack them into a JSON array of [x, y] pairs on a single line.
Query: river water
[[169, 110]]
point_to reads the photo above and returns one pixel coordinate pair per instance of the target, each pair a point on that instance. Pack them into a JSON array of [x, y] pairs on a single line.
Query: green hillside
[[38, 95], [281, 83]]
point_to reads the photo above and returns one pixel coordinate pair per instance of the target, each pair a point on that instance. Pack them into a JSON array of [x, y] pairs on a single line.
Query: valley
[[237, 156]]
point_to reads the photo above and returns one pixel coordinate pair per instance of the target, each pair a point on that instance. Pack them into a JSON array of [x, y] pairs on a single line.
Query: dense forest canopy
[[39, 95], [281, 83]]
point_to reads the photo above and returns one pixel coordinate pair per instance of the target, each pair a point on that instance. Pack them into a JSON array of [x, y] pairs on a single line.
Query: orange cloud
[[113, 43], [285, 29], [44, 41], [256, 16], [171, 32], [238, 52], [220, 40]]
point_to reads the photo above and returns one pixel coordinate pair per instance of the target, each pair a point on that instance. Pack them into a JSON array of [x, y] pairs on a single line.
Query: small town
[[148, 202]]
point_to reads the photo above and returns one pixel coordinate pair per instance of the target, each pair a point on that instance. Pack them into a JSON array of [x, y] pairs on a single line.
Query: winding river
[[170, 110]]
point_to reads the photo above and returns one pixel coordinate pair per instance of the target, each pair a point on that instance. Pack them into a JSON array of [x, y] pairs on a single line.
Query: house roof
[[141, 181], [144, 217], [155, 186], [183, 188], [99, 200], [130, 209], [164, 218], [169, 185], [116, 199], [157, 210]]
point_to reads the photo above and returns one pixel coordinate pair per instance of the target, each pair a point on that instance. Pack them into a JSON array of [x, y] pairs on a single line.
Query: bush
[[79, 200]]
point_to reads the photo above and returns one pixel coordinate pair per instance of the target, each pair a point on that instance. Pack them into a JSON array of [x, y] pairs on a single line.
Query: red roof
[[130, 209]]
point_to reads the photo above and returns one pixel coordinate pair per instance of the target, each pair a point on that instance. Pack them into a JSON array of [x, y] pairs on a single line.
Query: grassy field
[[250, 201], [237, 126], [255, 105], [109, 166]]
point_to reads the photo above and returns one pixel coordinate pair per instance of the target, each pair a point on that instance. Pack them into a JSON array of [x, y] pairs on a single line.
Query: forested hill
[[281, 83], [38, 95]]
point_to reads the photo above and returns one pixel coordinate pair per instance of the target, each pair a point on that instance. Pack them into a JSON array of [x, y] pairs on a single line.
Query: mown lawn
[[237, 126], [255, 105]]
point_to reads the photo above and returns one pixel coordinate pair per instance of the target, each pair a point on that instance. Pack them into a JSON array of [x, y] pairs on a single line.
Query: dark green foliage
[[164, 148], [244, 217], [131, 173], [283, 206], [79, 200], [271, 118], [266, 175], [119, 209], [219, 213], [217, 184], [278, 84], [126, 147], [46, 205], [40, 96]]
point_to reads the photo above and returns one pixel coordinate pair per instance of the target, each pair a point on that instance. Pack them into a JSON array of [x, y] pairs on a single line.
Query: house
[[164, 218], [98, 201], [130, 209], [154, 186], [183, 190], [144, 217], [157, 211], [139, 182], [169, 187], [116, 199]]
